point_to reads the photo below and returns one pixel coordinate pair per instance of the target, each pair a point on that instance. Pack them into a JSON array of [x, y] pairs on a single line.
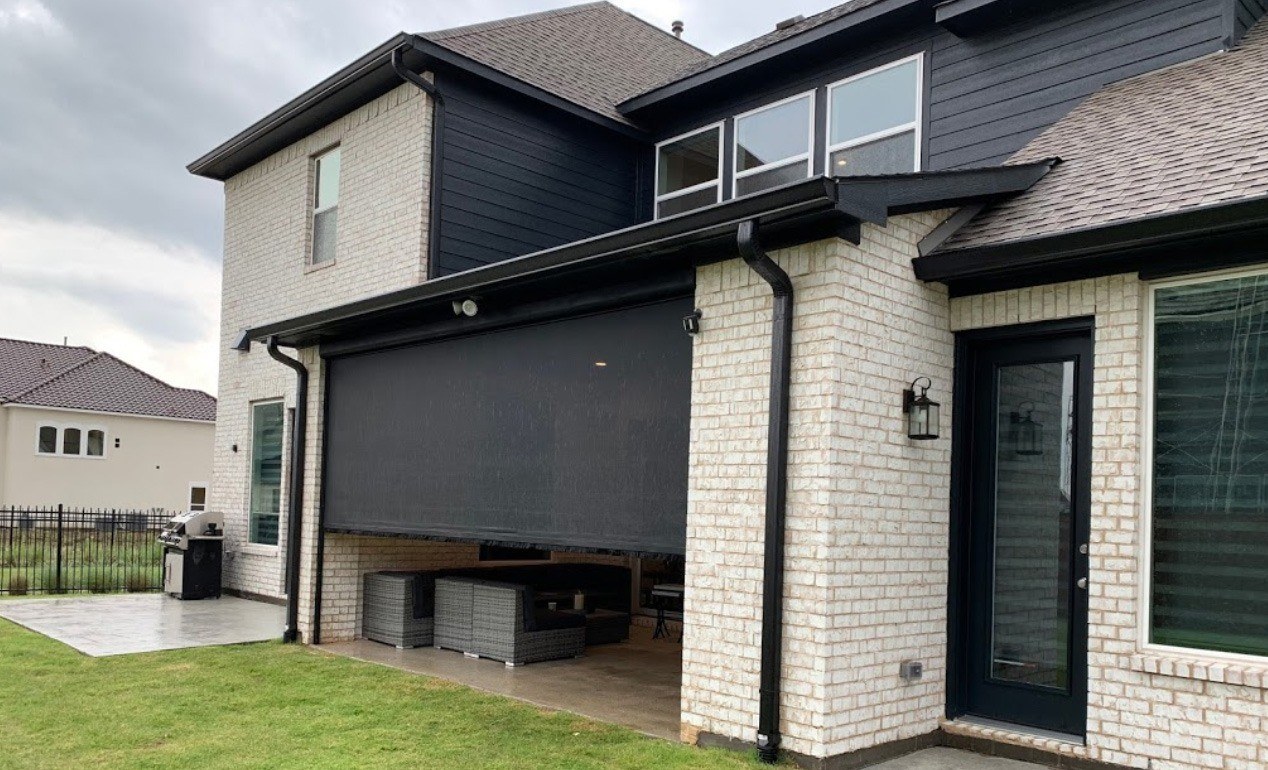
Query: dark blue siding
[[518, 178], [991, 94], [988, 95], [1246, 13]]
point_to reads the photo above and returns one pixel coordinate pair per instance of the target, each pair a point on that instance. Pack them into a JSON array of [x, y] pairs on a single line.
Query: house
[[920, 340], [83, 429]]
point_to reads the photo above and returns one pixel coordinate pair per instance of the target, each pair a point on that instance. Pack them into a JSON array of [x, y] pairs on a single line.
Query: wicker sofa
[[499, 621]]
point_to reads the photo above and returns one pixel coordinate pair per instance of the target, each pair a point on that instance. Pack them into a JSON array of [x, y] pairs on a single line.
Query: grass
[[92, 560], [283, 706]]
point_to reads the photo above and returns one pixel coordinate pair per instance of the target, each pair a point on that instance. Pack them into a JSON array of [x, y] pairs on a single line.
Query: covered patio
[[635, 684]]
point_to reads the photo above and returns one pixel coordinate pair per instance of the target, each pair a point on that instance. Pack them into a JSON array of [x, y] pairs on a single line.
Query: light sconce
[[467, 307], [1027, 434], [922, 412], [691, 322]]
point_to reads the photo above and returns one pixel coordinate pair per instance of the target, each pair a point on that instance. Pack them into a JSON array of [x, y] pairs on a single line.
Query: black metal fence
[[58, 550]]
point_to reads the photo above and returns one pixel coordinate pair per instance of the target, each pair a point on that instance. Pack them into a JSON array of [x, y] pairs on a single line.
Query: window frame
[[918, 125], [60, 437], [189, 495], [314, 209], [807, 157], [1144, 601], [717, 183], [249, 545]]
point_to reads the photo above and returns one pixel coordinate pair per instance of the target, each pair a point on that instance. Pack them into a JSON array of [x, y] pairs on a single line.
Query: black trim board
[[794, 214], [857, 22], [356, 84], [1190, 241], [965, 18]]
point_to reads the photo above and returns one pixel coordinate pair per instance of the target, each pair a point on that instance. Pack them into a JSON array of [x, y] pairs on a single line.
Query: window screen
[[1210, 466]]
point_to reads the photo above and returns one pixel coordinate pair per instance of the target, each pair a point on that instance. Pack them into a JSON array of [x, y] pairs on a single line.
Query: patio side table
[[663, 594]]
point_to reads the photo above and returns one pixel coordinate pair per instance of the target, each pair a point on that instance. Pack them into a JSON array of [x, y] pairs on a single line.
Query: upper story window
[[70, 441], [689, 171], [325, 205], [874, 121], [773, 144], [1208, 475]]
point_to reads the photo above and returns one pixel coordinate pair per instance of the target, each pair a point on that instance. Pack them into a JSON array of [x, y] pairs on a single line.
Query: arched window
[[71, 440], [96, 443], [48, 440]]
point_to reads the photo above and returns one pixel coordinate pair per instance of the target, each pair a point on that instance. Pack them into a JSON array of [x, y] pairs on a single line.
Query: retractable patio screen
[[571, 433]]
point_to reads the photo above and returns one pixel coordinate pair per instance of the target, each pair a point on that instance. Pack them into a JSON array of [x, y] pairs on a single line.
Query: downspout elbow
[[750, 248], [295, 502]]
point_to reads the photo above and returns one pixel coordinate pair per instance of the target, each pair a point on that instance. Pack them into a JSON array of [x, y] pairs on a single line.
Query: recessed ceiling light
[[600, 363]]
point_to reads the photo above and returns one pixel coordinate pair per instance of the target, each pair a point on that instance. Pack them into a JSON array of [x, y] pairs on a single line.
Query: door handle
[[1082, 583]]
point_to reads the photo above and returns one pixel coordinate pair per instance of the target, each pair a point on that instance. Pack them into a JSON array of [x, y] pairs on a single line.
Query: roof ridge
[[146, 374], [664, 32], [46, 344], [511, 21], [51, 378]]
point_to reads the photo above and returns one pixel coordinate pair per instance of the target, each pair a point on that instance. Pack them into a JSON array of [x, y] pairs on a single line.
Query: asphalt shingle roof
[[595, 55], [758, 43], [1190, 136], [36, 374]]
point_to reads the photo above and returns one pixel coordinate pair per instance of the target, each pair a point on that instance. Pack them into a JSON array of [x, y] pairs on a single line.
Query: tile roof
[[770, 38], [595, 55], [35, 374], [23, 365], [1190, 136]]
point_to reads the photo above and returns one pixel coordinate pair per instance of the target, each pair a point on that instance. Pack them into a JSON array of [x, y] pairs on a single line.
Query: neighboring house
[[485, 245], [85, 430]]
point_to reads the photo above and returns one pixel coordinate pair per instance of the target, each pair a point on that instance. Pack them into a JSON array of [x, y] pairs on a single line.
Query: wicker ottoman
[[606, 627], [396, 609]]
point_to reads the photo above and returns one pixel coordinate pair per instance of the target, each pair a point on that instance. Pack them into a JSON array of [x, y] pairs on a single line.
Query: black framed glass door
[[1022, 522]]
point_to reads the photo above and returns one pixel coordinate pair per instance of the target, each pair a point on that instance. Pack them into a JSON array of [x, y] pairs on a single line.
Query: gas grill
[[192, 546]]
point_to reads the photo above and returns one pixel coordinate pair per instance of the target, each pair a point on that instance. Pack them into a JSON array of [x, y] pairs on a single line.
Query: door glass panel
[[1030, 621]]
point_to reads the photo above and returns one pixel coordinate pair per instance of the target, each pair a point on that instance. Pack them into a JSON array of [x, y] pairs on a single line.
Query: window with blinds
[[1210, 464]]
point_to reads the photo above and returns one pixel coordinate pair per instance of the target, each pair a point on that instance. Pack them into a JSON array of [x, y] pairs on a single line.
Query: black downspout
[[437, 158], [768, 737], [295, 495]]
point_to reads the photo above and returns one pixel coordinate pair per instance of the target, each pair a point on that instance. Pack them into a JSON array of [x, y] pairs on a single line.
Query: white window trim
[[313, 210], [804, 157], [716, 183], [918, 125], [317, 179], [83, 429], [248, 545], [189, 494], [1144, 621]]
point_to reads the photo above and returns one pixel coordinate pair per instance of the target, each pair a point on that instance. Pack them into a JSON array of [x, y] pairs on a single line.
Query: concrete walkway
[[953, 759], [122, 624]]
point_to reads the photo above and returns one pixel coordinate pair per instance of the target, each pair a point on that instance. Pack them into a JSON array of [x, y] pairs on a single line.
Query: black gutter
[[768, 736], [295, 495], [1172, 242], [437, 159], [789, 45], [796, 213]]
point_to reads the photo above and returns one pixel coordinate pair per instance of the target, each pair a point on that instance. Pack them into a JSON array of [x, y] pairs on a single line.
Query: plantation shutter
[[1210, 462]]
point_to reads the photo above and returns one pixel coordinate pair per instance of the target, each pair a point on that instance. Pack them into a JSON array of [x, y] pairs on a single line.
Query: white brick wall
[[381, 246], [1150, 711], [867, 508]]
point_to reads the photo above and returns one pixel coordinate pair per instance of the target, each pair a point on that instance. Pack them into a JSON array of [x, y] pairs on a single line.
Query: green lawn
[[275, 706]]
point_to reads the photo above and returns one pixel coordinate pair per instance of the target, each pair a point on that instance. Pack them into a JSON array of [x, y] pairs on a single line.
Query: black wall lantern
[[1027, 434], [922, 411]]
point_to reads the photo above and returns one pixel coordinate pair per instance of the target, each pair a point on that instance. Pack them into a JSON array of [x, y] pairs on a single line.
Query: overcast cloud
[[105, 239]]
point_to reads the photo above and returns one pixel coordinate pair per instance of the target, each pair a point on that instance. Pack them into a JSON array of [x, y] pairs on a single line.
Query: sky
[[105, 239]]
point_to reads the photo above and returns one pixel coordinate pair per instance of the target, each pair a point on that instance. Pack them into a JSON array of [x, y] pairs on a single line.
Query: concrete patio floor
[[952, 759], [128, 623], [635, 684]]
